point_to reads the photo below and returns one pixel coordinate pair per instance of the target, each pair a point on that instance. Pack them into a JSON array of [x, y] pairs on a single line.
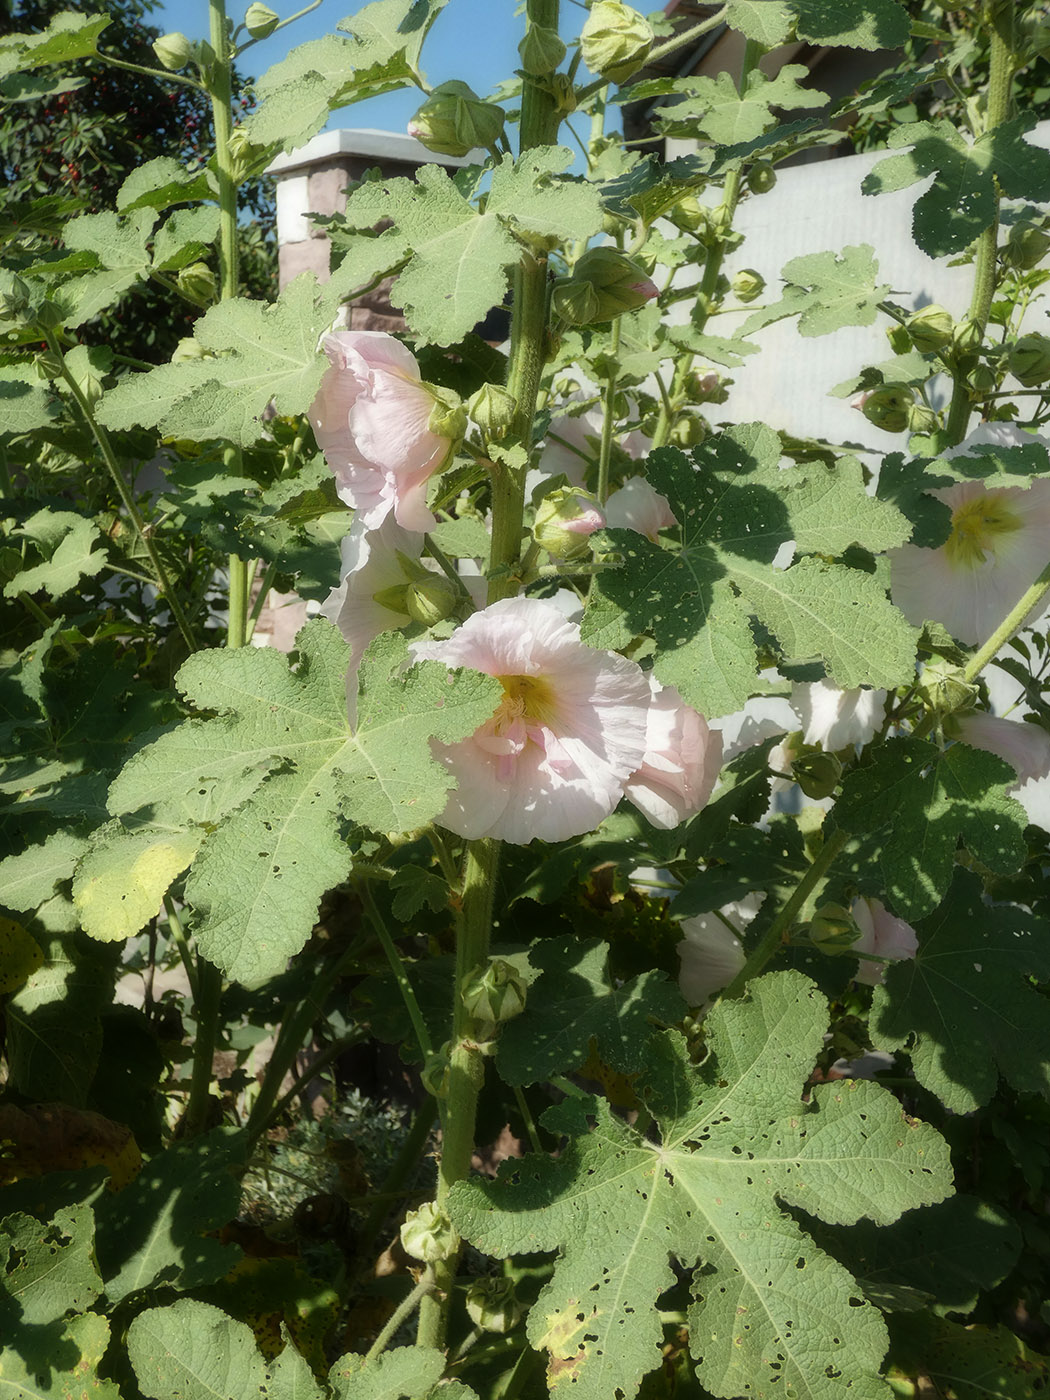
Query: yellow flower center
[[528, 698], [977, 527]]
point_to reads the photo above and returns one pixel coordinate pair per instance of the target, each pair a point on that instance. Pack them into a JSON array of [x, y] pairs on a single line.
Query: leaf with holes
[[770, 1311], [826, 291], [967, 1000]]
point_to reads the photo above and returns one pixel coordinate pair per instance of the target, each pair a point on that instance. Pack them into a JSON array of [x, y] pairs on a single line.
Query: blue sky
[[475, 40]]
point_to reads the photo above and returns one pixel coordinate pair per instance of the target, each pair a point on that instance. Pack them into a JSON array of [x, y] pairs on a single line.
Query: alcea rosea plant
[[754, 994]]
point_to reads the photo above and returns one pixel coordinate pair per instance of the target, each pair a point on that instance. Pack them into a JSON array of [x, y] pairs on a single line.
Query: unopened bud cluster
[[615, 40], [604, 284]]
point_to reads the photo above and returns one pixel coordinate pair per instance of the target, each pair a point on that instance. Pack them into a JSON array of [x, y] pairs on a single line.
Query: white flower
[[637, 506], [710, 952], [682, 759], [834, 719], [883, 934], [1025, 747]]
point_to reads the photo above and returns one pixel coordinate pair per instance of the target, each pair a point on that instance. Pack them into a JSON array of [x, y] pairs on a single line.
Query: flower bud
[[493, 408], [541, 50], [945, 688], [1026, 247], [430, 600], [921, 419], [448, 417], [748, 285], [689, 430], [562, 88], [688, 214], [197, 284], [615, 40], [605, 283], [982, 382], [1028, 360], [967, 336], [761, 177], [930, 328], [887, 407], [492, 1304], [706, 386], [454, 120], [833, 930], [260, 21], [817, 774], [16, 301], [173, 51], [434, 1076], [429, 1234], [900, 340], [496, 993], [564, 520]]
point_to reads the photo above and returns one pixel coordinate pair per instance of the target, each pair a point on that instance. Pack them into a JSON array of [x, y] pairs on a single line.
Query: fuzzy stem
[[206, 1010], [220, 92], [404, 1310], [608, 414]]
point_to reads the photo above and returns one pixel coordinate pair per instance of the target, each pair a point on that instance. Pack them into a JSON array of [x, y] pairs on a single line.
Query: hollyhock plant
[[681, 764], [637, 506], [999, 543], [570, 730], [1025, 747], [383, 432], [834, 719], [881, 933]]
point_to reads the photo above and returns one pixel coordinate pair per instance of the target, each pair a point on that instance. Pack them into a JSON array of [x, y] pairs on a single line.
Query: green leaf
[[770, 1311], [161, 182], [403, 1373], [118, 244], [970, 1362], [855, 24], [66, 541], [26, 880], [767, 21], [184, 237], [574, 1001], [61, 1363], [192, 1351], [456, 271], [947, 1255], [919, 803], [714, 107], [826, 291], [961, 202], [736, 508], [46, 1270], [259, 876], [25, 403], [122, 879], [967, 1000], [69, 35], [413, 887], [159, 1228], [261, 352], [297, 94], [831, 510]]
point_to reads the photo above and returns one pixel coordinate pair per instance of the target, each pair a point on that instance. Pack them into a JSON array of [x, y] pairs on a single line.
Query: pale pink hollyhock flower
[[999, 544], [1025, 747], [555, 757], [369, 565], [711, 954], [637, 506], [881, 933], [371, 418], [682, 759], [835, 719]]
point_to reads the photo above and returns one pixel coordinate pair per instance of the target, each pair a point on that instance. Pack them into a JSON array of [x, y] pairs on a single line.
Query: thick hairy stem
[[221, 94], [998, 109], [206, 1010]]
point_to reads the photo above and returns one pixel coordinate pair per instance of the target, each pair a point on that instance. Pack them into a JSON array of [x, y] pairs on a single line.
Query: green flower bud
[[817, 774], [260, 21], [454, 120], [493, 408], [565, 520], [541, 50], [1026, 246], [688, 214], [967, 336], [605, 283], [1028, 360], [706, 386], [945, 688], [429, 1234], [395, 598], [761, 177], [833, 930], [888, 407], [930, 328], [983, 381], [16, 301], [197, 284], [689, 430], [496, 993], [748, 285], [246, 158], [921, 419], [174, 51], [900, 340], [615, 40], [434, 1075], [430, 600], [448, 417], [492, 1304], [563, 90]]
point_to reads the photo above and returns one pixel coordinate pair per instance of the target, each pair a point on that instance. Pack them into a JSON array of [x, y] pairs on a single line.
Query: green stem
[[608, 414], [773, 938], [36, 611], [466, 1068], [237, 630], [1011, 624], [182, 943], [206, 1011], [397, 967], [404, 1310], [530, 1122], [282, 25], [998, 109], [220, 92], [162, 75], [163, 582]]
